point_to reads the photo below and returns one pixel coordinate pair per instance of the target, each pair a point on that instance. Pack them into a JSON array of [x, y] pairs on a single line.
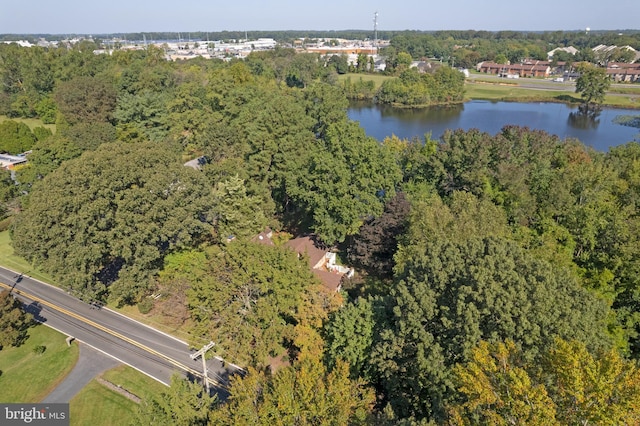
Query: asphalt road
[[150, 351]]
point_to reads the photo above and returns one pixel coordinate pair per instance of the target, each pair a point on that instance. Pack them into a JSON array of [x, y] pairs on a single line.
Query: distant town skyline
[[119, 16]]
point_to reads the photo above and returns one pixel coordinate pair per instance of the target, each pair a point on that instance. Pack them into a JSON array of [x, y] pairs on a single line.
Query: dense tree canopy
[[303, 394], [451, 295], [184, 403], [106, 219], [574, 387], [248, 298]]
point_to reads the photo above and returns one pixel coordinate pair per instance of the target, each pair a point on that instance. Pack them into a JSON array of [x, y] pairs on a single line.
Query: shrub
[[145, 305], [39, 350]]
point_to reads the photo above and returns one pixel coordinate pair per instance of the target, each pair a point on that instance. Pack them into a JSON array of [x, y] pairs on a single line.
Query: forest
[[497, 276]]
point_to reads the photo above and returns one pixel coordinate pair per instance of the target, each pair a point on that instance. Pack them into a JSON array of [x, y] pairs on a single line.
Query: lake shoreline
[[489, 115]]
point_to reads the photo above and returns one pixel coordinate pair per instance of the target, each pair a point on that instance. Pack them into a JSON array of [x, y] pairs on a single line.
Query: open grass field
[[511, 92], [376, 78], [97, 405], [29, 377], [31, 122], [10, 260]]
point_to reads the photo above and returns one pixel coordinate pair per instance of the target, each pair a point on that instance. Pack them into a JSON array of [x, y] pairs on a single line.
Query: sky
[[121, 16]]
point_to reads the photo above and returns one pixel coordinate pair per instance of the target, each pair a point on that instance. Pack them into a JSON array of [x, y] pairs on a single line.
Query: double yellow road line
[[108, 331]]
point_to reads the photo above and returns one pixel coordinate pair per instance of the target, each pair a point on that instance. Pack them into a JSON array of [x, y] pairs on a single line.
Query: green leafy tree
[[249, 299], [403, 62], [14, 321], [451, 295], [15, 137], [8, 188], [86, 99], [142, 117], [184, 403], [592, 84], [339, 63], [498, 390], [347, 178], [103, 222], [350, 335], [235, 213], [303, 394], [362, 62]]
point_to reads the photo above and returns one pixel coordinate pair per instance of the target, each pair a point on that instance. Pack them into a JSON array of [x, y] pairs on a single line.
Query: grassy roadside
[[97, 405], [30, 377], [620, 98], [511, 91], [156, 321]]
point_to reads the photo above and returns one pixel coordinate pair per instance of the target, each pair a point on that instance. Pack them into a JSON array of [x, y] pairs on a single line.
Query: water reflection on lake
[[565, 121]]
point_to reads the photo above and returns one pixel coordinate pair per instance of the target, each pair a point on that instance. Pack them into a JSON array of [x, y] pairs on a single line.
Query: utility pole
[[201, 353]]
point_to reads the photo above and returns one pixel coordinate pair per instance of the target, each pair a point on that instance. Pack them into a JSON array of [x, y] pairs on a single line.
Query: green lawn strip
[[28, 377], [133, 381], [10, 260], [31, 122], [625, 90], [509, 92], [97, 405]]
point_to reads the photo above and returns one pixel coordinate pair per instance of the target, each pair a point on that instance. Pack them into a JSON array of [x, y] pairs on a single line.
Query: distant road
[[150, 351]]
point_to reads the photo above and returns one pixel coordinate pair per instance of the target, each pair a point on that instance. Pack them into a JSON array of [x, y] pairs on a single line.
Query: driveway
[[90, 364]]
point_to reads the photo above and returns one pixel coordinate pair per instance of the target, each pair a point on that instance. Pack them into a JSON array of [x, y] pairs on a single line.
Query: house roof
[[264, 237], [307, 245], [330, 280]]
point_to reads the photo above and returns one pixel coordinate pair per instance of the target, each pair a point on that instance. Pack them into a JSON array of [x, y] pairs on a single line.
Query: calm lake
[[559, 119]]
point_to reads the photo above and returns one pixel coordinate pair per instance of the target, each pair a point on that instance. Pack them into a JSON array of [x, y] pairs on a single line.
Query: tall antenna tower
[[375, 30]]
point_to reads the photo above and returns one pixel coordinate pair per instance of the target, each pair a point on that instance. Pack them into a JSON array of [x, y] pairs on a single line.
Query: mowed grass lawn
[[377, 79], [97, 405], [512, 92], [31, 122], [29, 377]]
